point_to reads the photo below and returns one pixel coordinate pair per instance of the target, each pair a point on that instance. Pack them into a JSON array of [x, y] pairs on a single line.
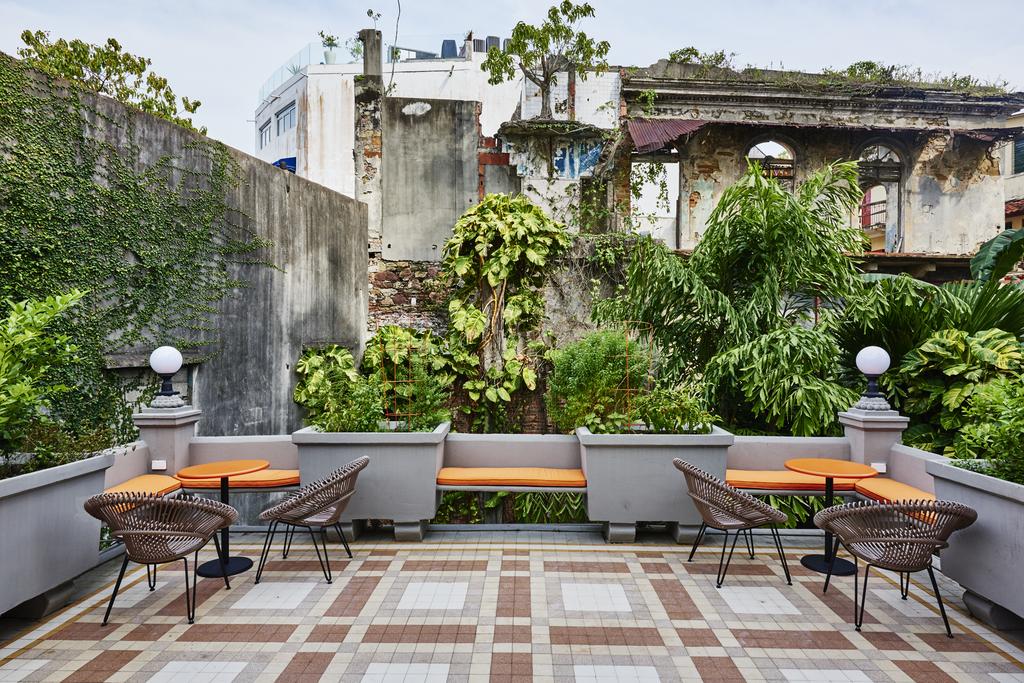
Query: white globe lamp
[[873, 361], [165, 361]]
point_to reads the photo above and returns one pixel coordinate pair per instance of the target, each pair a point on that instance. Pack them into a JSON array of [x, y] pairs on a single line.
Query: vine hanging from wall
[[148, 241]]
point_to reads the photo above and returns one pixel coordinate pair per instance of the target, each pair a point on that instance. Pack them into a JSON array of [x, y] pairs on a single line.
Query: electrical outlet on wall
[[879, 467], [159, 465]]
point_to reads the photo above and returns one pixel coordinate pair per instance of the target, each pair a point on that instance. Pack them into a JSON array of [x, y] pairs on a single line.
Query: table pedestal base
[[819, 563], [212, 569]]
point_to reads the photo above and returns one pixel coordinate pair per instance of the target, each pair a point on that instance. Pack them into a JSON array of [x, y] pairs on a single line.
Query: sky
[[221, 51]]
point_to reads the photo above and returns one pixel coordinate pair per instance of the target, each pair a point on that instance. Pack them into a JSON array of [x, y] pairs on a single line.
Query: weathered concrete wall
[[430, 174], [317, 291], [325, 136]]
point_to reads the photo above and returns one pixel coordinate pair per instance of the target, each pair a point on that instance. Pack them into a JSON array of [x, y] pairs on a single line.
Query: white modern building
[[305, 118]]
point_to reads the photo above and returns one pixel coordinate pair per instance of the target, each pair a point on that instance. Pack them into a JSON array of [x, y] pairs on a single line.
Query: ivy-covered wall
[[177, 239]]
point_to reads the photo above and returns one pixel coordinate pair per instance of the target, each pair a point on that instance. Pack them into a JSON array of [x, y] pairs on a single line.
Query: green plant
[[495, 264], [994, 431], [106, 69], [328, 41], [29, 349], [673, 411], [799, 509], [540, 52], [458, 507], [594, 382], [706, 60], [336, 397], [413, 376], [935, 382], [549, 508], [770, 263], [152, 240]]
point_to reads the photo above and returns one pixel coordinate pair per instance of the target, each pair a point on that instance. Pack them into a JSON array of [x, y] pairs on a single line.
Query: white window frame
[[287, 115], [266, 133]]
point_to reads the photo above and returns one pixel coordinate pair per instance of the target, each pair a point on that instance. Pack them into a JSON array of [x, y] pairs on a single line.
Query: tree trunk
[[545, 101]]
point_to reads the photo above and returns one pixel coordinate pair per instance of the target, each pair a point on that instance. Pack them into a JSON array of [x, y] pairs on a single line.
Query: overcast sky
[[221, 51]]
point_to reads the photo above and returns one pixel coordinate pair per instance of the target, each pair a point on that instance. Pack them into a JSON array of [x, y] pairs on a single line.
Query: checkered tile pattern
[[501, 611]]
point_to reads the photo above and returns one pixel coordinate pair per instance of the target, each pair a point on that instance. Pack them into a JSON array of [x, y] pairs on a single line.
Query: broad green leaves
[[998, 256]]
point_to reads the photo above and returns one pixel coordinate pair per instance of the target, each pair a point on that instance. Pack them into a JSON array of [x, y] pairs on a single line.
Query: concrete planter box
[[630, 478], [986, 557], [400, 482], [46, 536]]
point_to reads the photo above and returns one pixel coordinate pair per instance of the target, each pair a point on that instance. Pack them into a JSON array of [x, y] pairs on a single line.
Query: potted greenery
[[391, 409], [987, 473], [329, 42], [630, 429], [46, 471]]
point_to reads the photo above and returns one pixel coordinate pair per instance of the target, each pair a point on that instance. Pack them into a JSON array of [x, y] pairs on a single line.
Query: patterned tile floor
[[509, 607]]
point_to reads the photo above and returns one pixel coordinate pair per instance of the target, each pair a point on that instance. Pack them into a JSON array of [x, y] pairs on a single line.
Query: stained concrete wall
[[430, 174], [316, 291]]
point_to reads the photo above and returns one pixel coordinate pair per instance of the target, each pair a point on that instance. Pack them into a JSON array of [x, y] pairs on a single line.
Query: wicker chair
[[318, 505], [900, 537], [724, 508], [157, 530]]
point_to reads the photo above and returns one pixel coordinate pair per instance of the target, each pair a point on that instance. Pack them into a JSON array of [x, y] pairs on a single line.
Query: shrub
[[995, 431], [594, 380], [336, 397], [28, 350], [673, 411], [412, 374]]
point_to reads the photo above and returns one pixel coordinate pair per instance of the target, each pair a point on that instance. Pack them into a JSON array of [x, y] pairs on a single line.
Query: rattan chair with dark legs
[[157, 530], [317, 506], [724, 508], [900, 537]]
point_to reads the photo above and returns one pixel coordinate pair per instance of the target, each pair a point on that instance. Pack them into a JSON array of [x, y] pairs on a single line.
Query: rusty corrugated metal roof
[[1014, 207], [650, 135]]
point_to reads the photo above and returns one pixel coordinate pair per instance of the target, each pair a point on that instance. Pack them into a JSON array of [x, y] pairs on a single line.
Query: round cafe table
[[829, 469], [223, 470]]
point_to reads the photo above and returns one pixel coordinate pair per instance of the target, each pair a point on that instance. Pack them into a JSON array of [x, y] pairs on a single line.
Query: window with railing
[[265, 134]]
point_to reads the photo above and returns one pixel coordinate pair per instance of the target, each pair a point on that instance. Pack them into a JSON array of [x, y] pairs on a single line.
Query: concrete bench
[[785, 482]]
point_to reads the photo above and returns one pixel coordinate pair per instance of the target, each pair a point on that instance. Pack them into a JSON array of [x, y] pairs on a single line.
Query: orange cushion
[[887, 490], [511, 476], [782, 480], [263, 479], [159, 484]]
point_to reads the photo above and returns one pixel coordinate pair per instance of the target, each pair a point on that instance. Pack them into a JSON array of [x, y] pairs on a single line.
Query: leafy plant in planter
[[994, 433], [495, 263], [336, 397], [412, 372], [936, 381], [28, 350], [593, 381]]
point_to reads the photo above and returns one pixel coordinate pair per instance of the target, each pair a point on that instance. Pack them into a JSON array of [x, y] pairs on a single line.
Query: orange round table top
[[221, 469], [827, 467]]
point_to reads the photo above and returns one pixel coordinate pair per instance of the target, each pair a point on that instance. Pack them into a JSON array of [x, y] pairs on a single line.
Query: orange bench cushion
[[263, 479], [886, 490], [511, 476], [159, 484], [782, 480]]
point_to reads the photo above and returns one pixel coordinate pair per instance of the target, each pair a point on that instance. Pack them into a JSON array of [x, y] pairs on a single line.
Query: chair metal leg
[[344, 542], [722, 571], [904, 585], [782, 554], [325, 563], [117, 586], [938, 597], [750, 543], [190, 601], [267, 543], [828, 575], [696, 541], [223, 562], [289, 534], [151, 577], [859, 615]]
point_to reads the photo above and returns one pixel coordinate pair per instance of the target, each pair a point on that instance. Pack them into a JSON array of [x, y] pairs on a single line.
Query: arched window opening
[[881, 171], [776, 159]]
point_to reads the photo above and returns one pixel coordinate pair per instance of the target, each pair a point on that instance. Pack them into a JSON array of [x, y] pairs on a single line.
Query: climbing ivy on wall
[[84, 205]]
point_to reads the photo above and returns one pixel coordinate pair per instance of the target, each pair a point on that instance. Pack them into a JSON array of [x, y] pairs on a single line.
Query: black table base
[[212, 569], [819, 563]]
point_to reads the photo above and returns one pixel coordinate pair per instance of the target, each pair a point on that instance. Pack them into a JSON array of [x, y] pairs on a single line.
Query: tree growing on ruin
[[541, 52]]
